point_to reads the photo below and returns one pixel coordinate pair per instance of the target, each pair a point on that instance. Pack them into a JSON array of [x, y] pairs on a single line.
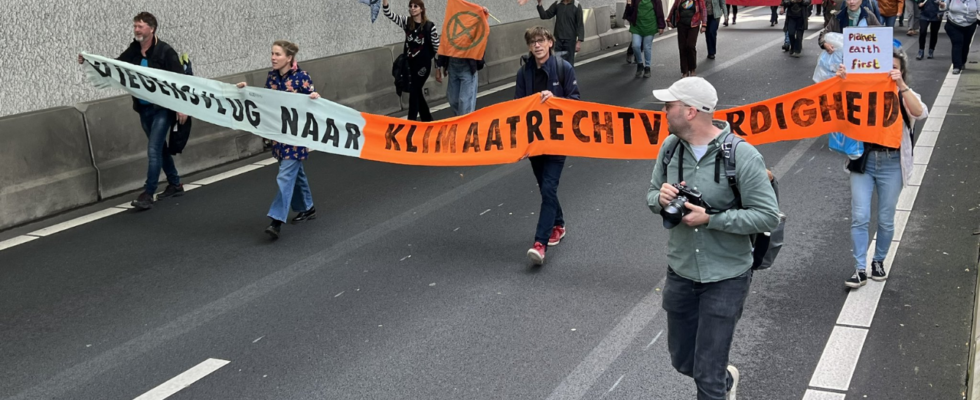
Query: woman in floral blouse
[[294, 188]]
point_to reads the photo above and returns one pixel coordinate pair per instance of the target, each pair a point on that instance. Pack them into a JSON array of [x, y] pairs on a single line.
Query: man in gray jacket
[[709, 253], [569, 27]]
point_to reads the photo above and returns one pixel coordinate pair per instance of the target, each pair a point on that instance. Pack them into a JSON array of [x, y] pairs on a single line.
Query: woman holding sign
[[294, 188], [421, 45], [856, 13], [884, 170]]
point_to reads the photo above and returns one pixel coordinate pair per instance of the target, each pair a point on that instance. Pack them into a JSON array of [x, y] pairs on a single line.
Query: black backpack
[[181, 133], [765, 246]]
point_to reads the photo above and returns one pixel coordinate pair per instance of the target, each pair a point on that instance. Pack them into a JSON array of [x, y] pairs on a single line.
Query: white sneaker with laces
[[734, 373]]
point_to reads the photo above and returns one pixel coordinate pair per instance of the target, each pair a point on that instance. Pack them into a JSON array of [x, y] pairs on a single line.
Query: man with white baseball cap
[[709, 253]]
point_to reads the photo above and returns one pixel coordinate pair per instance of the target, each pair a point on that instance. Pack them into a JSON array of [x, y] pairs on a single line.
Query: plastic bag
[[845, 145], [828, 63]]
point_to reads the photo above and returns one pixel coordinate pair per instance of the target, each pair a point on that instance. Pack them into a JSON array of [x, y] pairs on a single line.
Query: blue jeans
[[884, 174], [461, 89], [294, 190], [711, 35], [889, 21], [647, 48], [701, 319], [156, 124], [547, 171]]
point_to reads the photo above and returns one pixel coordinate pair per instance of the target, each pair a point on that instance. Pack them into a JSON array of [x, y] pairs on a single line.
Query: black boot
[[273, 229], [305, 215], [639, 70]]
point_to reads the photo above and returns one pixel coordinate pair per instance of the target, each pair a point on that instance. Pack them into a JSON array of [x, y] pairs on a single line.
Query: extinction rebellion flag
[[465, 32]]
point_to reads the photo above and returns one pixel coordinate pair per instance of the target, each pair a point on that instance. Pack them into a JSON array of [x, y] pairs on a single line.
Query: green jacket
[[722, 249]]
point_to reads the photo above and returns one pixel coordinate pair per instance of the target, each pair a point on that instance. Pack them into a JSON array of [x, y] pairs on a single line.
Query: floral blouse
[[295, 81]]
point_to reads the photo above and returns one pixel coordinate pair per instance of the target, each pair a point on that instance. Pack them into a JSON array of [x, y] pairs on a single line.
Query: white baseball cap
[[693, 91]]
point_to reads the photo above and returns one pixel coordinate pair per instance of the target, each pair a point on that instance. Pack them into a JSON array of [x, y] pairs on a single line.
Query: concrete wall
[[45, 165], [222, 37], [60, 158]]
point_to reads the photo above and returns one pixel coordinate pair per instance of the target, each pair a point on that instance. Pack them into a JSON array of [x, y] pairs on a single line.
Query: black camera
[[674, 211]]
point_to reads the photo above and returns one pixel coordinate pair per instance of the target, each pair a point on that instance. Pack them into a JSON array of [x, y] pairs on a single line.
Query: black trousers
[[795, 27], [933, 28], [687, 43], [961, 37], [418, 108]]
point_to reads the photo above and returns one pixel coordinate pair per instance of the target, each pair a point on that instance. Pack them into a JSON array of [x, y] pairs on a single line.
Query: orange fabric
[[465, 31], [863, 106]]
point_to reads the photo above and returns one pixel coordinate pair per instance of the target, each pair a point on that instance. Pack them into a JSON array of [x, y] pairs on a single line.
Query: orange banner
[[863, 106], [465, 31]]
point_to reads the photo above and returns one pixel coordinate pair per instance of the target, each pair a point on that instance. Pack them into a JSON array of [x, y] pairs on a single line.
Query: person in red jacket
[[689, 17]]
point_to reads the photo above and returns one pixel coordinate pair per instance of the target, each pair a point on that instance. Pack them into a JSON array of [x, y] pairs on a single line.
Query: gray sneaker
[[731, 392]]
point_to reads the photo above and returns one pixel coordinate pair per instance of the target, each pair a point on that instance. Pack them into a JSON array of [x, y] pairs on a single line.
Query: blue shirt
[[144, 63], [295, 81]]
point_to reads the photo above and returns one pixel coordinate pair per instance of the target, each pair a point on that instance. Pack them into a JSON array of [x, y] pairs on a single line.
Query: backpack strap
[[726, 156], [669, 154]]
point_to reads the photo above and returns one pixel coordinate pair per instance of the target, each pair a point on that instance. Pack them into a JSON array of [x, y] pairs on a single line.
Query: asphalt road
[[413, 282]]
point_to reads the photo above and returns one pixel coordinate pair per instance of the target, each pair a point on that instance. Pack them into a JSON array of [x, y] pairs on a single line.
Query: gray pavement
[[413, 281]]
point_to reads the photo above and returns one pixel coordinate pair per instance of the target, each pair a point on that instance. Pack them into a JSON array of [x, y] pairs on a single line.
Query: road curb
[[973, 384]]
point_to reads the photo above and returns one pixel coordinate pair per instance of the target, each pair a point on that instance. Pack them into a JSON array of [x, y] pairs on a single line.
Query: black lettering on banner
[[513, 121], [577, 125], [104, 72], [331, 133], [408, 140], [852, 108], [781, 116], [238, 111], [493, 136], [837, 105], [193, 97], [147, 83], [290, 120], [735, 120], [872, 108], [809, 113], [891, 109], [760, 111], [425, 139], [251, 111], [447, 135], [390, 136], [217, 102], [312, 128], [653, 132], [553, 115], [353, 134], [132, 79], [534, 120], [177, 92], [599, 128], [627, 118], [206, 98], [122, 76], [472, 138], [163, 88]]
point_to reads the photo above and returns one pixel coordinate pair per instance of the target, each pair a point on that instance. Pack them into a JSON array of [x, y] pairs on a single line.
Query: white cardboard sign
[[867, 50]]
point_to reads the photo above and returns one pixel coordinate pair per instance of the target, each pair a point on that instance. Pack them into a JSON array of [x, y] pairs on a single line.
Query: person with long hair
[[690, 17], [421, 45], [294, 188], [884, 170]]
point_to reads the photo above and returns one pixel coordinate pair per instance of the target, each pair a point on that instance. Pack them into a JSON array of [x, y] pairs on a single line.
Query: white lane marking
[[837, 363], [821, 395], [267, 161], [812, 36], [578, 382], [190, 186], [76, 222], [19, 240], [183, 380], [228, 174], [654, 340], [840, 357]]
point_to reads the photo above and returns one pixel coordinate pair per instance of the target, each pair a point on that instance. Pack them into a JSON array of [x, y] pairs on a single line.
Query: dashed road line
[[185, 379]]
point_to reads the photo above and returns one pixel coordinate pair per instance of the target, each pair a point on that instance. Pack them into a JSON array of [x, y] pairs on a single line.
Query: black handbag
[[401, 71]]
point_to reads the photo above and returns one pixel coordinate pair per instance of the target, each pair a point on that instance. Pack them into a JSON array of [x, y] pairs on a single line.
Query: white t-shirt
[[699, 151]]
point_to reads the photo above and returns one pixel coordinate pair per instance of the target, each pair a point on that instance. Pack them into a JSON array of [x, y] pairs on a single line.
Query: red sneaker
[[556, 234], [536, 253]]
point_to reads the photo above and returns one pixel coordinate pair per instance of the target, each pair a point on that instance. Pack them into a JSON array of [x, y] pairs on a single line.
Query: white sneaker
[[734, 372]]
